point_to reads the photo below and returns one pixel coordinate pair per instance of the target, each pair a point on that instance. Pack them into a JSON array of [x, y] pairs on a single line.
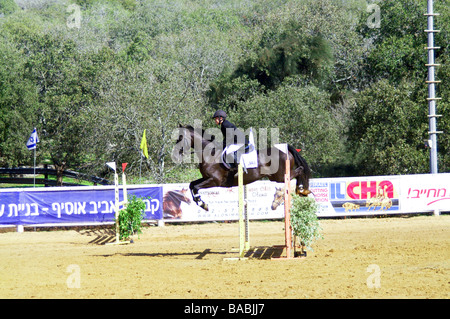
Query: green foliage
[[304, 221], [7, 7], [131, 217], [443, 107], [401, 38], [389, 125], [389, 129], [18, 102], [126, 4], [293, 54], [303, 116], [352, 97]]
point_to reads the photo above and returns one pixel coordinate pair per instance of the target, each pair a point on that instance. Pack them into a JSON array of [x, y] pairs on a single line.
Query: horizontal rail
[[50, 171], [49, 182]]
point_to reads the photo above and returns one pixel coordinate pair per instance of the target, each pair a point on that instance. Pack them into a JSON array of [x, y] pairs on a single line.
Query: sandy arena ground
[[412, 255]]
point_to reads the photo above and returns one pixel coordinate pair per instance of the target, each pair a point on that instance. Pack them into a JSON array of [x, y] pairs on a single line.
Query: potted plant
[[304, 222], [130, 218]]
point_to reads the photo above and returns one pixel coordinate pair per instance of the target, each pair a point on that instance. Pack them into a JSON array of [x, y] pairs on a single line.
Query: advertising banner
[[222, 202], [352, 196], [425, 192], [71, 205], [337, 197]]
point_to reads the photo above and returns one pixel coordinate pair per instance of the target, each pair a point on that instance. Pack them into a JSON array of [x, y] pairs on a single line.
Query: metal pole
[[432, 142], [116, 204], [287, 207], [241, 212], [246, 219], [34, 167]]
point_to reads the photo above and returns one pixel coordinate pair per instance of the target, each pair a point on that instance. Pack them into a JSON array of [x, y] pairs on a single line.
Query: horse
[[172, 203], [215, 174]]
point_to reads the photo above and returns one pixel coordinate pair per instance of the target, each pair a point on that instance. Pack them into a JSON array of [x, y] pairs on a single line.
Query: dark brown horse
[[271, 164], [172, 203]]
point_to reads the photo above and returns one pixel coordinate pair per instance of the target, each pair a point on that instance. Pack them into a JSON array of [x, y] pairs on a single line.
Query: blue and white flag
[[33, 140]]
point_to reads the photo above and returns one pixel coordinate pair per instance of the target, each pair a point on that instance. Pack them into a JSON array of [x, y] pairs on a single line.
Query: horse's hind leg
[[303, 191]]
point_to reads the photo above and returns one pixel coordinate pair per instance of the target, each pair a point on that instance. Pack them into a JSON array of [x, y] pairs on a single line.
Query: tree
[[294, 53], [53, 65], [148, 96], [53, 69], [400, 37], [18, 103], [389, 129], [7, 7], [443, 108], [303, 117], [300, 66]]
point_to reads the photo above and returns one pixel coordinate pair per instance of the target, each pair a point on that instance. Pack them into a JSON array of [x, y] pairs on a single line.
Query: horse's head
[[184, 142], [189, 137], [278, 198]]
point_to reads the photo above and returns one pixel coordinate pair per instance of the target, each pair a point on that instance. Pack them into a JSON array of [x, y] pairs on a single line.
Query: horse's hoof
[[300, 254], [204, 206], [304, 192]]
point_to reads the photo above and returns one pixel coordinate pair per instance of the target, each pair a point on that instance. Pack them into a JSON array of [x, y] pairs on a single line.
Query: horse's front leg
[[194, 190], [195, 186]]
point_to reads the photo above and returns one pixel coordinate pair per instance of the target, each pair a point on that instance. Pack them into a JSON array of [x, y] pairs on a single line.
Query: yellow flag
[[144, 145]]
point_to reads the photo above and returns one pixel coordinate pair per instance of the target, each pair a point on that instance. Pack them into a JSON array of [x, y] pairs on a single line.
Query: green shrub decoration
[[304, 222], [130, 218]]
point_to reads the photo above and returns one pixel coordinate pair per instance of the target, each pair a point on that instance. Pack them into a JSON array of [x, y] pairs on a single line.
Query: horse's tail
[[301, 162]]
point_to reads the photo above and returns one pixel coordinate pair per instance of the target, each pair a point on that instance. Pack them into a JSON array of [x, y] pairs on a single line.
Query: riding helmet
[[220, 113]]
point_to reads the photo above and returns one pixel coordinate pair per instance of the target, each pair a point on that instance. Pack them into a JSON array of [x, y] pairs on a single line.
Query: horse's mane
[[191, 128]]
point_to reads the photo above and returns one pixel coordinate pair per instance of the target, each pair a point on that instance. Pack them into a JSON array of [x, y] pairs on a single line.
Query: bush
[[7, 7], [130, 218], [304, 222]]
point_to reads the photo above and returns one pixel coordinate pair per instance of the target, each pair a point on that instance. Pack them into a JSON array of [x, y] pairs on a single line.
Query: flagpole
[[34, 169], [31, 145], [144, 152]]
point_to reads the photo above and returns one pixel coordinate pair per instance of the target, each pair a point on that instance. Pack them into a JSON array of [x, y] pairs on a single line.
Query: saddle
[[232, 154]]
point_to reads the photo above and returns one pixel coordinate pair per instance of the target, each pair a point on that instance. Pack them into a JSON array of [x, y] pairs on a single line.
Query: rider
[[231, 134]]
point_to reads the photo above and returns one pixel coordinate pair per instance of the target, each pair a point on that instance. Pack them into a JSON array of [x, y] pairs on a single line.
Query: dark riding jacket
[[231, 134]]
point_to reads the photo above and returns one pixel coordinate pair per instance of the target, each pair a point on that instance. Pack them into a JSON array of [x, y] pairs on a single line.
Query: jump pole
[[287, 208], [244, 240], [118, 203], [243, 214]]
